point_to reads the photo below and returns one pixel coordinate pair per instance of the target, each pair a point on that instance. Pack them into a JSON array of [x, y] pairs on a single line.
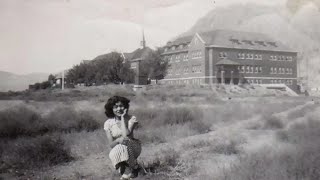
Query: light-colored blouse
[[114, 126]]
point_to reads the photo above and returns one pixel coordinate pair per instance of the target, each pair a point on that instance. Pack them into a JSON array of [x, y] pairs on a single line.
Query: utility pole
[[307, 75], [62, 81]]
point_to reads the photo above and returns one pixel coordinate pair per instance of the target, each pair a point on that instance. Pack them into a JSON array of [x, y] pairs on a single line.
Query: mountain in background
[[299, 31], [14, 82]]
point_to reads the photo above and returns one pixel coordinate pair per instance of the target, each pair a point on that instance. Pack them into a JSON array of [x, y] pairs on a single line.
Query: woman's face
[[118, 109]]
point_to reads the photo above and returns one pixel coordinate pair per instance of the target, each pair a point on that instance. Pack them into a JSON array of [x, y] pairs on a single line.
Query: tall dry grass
[[300, 159]]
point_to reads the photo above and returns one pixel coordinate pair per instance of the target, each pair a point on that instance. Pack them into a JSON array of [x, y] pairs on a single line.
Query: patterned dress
[[128, 151]]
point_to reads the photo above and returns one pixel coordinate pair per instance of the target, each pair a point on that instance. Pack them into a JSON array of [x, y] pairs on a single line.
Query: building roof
[[236, 39], [128, 55], [180, 40], [227, 62], [139, 54]]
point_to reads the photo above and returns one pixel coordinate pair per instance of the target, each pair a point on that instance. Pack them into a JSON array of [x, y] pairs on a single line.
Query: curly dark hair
[[112, 101]]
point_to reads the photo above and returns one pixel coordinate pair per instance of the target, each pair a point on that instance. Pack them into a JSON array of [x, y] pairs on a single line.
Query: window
[[196, 54], [290, 71], [275, 58], [177, 71], [186, 70], [222, 54], [272, 44], [243, 69], [271, 70], [271, 58], [166, 49], [257, 69], [251, 69], [173, 48], [275, 70], [240, 56], [248, 42], [185, 57], [170, 59], [248, 69], [178, 58], [260, 69], [235, 41]]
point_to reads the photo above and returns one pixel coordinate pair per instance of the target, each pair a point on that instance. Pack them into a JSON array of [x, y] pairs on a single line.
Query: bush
[[22, 121], [66, 119], [42, 151], [272, 122], [18, 121], [227, 148]]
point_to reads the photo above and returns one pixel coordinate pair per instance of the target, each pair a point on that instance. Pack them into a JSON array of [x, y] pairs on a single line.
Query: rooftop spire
[[143, 42]]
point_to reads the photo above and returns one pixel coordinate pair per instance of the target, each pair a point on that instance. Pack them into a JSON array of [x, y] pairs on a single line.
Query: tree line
[[110, 68]]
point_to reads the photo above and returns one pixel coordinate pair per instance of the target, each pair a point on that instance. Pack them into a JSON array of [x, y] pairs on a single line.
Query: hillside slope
[[14, 82]]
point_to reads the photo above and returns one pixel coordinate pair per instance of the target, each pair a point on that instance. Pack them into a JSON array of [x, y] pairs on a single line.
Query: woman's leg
[[122, 167]]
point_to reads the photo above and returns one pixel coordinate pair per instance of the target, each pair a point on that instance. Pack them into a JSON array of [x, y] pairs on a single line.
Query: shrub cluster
[[159, 125], [22, 121], [28, 153]]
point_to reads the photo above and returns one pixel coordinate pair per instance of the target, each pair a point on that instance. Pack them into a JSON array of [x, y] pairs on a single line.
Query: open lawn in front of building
[[187, 133]]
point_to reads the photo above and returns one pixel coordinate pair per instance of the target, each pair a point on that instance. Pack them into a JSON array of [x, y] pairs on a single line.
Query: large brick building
[[224, 56]]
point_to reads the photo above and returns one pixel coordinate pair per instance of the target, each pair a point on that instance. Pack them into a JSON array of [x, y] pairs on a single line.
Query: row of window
[[257, 57], [249, 56], [184, 56], [272, 81], [177, 57], [250, 69], [280, 58], [254, 81], [274, 70], [282, 81], [196, 54], [174, 47], [185, 70]]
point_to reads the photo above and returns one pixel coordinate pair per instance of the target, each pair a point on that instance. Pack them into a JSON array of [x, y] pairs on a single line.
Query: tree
[[51, 79], [156, 66], [109, 68]]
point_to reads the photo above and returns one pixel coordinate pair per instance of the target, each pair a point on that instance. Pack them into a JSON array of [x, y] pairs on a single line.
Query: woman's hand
[[123, 114], [122, 140]]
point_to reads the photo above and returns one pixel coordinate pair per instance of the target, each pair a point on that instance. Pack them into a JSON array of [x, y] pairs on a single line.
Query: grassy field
[[221, 133]]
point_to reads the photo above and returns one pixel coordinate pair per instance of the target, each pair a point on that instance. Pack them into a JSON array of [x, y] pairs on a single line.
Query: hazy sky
[[51, 35]]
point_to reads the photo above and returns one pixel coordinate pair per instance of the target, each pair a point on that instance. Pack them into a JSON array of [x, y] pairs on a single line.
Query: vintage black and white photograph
[[160, 89]]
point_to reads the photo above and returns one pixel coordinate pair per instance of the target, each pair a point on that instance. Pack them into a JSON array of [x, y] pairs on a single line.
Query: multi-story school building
[[230, 57]]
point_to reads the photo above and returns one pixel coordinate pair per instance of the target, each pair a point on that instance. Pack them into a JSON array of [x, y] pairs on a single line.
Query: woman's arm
[[132, 124], [124, 124], [113, 143]]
